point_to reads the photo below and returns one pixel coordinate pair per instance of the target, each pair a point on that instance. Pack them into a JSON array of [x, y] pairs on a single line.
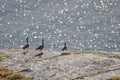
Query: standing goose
[[64, 47], [26, 46], [41, 47]]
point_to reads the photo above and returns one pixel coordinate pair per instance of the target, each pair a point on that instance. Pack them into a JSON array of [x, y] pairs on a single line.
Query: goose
[[41, 47], [64, 47], [26, 46]]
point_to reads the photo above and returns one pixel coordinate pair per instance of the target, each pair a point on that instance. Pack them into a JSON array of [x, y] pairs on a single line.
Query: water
[[83, 24]]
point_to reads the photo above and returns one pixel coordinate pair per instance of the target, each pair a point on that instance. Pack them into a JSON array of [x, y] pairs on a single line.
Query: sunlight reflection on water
[[84, 25]]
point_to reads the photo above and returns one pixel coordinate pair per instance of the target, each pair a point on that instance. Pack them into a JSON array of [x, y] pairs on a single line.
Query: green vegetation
[[6, 74], [3, 57], [114, 78]]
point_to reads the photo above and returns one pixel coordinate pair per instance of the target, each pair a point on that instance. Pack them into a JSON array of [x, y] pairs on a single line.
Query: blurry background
[[83, 24]]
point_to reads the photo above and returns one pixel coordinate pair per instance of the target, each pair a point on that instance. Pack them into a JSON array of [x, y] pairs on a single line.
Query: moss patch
[[6, 74]]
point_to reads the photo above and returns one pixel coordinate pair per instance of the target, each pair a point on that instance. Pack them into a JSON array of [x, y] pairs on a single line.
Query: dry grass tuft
[[79, 77], [3, 57], [79, 52], [6, 74], [114, 78]]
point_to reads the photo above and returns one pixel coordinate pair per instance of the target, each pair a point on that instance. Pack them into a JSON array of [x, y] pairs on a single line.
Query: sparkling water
[[83, 24]]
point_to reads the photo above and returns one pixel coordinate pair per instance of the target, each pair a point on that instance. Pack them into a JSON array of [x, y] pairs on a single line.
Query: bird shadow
[[25, 52], [26, 70], [65, 53], [39, 55]]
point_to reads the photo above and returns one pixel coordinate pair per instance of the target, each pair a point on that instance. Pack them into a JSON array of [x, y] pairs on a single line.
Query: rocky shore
[[57, 65]]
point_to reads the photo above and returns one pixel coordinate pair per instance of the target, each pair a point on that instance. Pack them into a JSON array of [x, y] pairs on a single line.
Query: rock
[[55, 65]]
